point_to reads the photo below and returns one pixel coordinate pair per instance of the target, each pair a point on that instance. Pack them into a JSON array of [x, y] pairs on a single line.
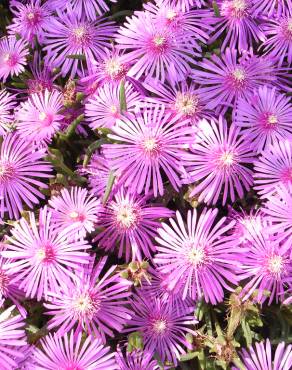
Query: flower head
[[152, 141], [163, 327], [7, 104], [219, 161], [92, 302], [71, 34], [200, 259], [42, 256], [30, 20], [40, 116], [13, 54], [265, 117], [72, 352], [21, 166], [130, 224], [76, 210]]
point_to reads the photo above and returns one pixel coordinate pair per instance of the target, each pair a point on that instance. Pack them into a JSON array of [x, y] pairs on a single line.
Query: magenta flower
[[219, 162], [259, 357], [43, 256], [224, 79], [152, 143], [279, 209], [273, 168], [279, 38], [201, 260], [267, 267], [12, 339], [72, 352], [90, 302], [241, 26], [39, 118], [7, 104], [13, 54], [103, 109], [265, 117], [136, 360], [163, 327], [21, 166], [270, 8], [76, 210], [29, 20], [158, 52], [72, 34], [130, 224]]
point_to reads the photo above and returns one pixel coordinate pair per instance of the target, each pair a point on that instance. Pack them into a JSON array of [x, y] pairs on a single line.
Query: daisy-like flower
[[42, 255], [237, 19], [219, 162], [21, 166], [40, 116], [92, 302], [265, 117], [185, 5], [267, 266], [273, 168], [72, 352], [12, 339], [152, 143], [279, 209], [163, 327], [130, 224], [224, 79], [279, 38], [200, 259], [103, 109], [180, 99], [259, 357], [158, 52], [13, 54], [75, 209], [136, 360], [71, 34], [29, 20], [7, 104], [270, 8]]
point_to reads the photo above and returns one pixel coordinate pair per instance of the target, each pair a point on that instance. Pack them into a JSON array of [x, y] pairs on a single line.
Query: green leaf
[[72, 128], [123, 101], [92, 148], [216, 8], [247, 332], [189, 356], [76, 56], [109, 186]]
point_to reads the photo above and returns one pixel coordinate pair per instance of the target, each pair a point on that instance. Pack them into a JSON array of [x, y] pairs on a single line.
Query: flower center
[[4, 281], [276, 265], [227, 158], [286, 176], [239, 5], [127, 216], [46, 254], [171, 14], [7, 172], [86, 305], [186, 104], [238, 75], [269, 120], [10, 59], [42, 116], [159, 326], [114, 110], [76, 216], [196, 256], [72, 366], [234, 8], [286, 27], [33, 17], [114, 69], [159, 44], [81, 36]]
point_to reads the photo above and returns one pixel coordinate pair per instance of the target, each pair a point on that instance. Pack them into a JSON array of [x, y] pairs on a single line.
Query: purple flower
[[7, 104], [12, 339], [279, 38], [30, 20], [259, 357], [103, 108], [273, 168], [136, 360], [152, 143], [21, 164], [13, 54], [270, 8], [39, 118], [130, 224], [267, 267], [163, 327], [158, 51], [219, 161], [72, 352], [265, 117], [200, 259], [237, 19], [42, 256], [224, 79], [71, 34], [76, 210], [94, 303]]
